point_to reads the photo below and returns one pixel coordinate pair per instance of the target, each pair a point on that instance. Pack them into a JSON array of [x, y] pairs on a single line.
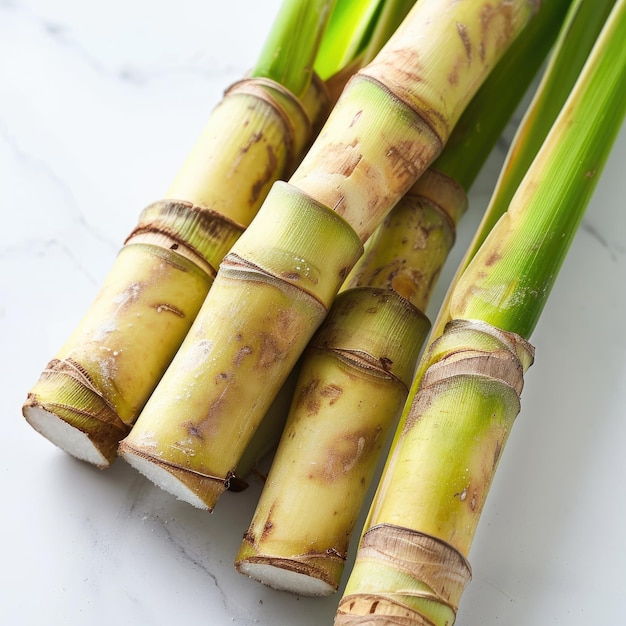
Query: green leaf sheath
[[290, 51]]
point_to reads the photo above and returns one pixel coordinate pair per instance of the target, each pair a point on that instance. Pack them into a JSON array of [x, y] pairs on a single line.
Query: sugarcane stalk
[[267, 301], [89, 396], [354, 378], [413, 565], [580, 30]]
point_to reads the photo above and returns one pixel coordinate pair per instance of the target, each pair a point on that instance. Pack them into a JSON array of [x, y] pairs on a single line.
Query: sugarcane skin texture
[[368, 327], [201, 424], [253, 322], [157, 307], [408, 250], [435, 574], [310, 503], [366, 160], [438, 85], [246, 145], [345, 403], [366, 157], [454, 432]]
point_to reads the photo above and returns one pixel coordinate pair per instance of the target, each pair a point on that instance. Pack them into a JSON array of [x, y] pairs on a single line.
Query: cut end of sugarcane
[[70, 439], [285, 575], [185, 484]]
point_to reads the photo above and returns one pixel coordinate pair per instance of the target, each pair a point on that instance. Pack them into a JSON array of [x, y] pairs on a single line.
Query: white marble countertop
[[99, 105]]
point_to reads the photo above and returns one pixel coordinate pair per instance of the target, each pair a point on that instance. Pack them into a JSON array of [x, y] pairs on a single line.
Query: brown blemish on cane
[[493, 258], [194, 431], [350, 164], [496, 455], [332, 392], [268, 175], [356, 117], [169, 308], [243, 352], [267, 529], [271, 350], [346, 452], [221, 377], [308, 399], [504, 31], [461, 29], [406, 159]]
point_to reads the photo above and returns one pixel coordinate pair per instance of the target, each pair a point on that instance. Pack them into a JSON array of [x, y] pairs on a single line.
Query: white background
[[99, 104]]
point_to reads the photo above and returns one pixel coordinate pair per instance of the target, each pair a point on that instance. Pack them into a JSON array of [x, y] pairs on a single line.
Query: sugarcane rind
[[441, 93], [443, 193], [434, 563], [376, 329], [420, 579], [362, 610], [286, 105], [199, 233], [65, 394], [276, 243]]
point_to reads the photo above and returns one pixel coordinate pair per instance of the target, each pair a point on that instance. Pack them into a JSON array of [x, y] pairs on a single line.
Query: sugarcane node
[[276, 246], [285, 104], [198, 233], [433, 119], [443, 194], [438, 565], [362, 610], [500, 366]]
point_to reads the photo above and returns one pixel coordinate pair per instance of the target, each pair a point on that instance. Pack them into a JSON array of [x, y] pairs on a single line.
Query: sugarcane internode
[[452, 438]]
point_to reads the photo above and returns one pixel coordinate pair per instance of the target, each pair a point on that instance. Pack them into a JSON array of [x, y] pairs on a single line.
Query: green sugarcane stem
[[509, 279], [289, 52], [411, 566], [583, 23]]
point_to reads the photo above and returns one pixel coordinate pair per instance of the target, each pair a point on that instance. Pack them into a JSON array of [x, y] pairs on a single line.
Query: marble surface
[[99, 104]]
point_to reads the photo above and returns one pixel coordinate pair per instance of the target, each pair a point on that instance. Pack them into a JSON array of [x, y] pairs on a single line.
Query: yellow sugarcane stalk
[[90, 394], [268, 299], [353, 382]]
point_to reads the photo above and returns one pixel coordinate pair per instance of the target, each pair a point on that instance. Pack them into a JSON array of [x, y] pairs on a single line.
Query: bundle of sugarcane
[[90, 394], [357, 368], [278, 281], [411, 566], [353, 381]]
